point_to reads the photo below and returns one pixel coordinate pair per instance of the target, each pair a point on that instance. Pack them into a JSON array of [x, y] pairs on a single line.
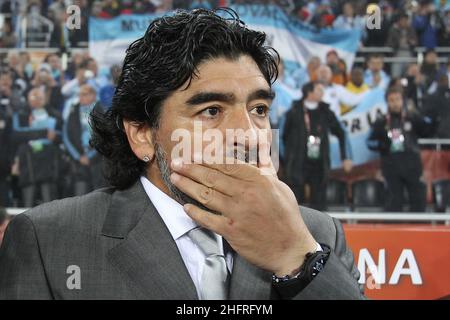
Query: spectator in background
[[107, 91], [79, 37], [97, 9], [25, 65], [428, 23], [54, 100], [20, 75], [323, 16], [5, 140], [72, 87], [86, 163], [336, 94], [143, 7], [395, 137], [376, 37], [37, 158], [444, 39], [57, 7], [126, 7], [312, 67], [338, 68], [437, 107], [97, 81], [306, 140], [76, 60], [348, 20], [5, 218], [429, 69], [8, 38], [54, 61], [59, 35], [415, 89], [374, 75], [402, 38], [11, 92], [356, 85]]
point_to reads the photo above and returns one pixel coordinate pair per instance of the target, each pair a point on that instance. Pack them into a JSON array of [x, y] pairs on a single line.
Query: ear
[[140, 139]]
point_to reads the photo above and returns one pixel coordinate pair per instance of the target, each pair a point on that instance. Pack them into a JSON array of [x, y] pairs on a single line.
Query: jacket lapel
[[249, 282], [147, 256]]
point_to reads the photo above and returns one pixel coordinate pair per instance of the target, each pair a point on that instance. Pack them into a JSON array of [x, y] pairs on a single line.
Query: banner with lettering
[[357, 123], [401, 261], [295, 41]]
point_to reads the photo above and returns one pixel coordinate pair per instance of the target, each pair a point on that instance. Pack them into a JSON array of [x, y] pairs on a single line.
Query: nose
[[241, 136]]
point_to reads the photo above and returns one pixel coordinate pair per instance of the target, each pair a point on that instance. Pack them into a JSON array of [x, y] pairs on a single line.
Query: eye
[[260, 111], [210, 112]]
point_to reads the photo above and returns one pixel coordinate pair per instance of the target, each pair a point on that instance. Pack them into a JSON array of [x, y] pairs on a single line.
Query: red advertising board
[[402, 261]]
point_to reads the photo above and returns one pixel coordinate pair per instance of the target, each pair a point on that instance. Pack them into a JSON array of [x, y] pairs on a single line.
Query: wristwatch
[[289, 286]]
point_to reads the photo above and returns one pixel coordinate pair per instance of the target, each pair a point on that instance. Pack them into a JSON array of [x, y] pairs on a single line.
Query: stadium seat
[[337, 196], [441, 195], [368, 195]]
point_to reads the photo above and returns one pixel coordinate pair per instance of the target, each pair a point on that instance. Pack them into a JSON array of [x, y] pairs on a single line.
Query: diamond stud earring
[[146, 159]]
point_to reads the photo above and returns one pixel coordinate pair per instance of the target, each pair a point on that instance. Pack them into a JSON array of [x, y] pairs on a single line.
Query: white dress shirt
[[179, 224]]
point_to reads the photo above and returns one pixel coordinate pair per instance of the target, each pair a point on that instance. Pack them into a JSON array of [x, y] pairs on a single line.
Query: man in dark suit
[[169, 228], [308, 126]]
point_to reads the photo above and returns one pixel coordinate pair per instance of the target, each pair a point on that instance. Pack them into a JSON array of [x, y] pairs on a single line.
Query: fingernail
[[186, 207], [177, 164]]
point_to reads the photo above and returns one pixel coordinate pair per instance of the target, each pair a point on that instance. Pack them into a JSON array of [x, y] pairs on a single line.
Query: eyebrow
[[205, 97]]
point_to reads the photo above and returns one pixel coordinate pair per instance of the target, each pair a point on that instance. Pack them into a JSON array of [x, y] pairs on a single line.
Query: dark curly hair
[[159, 63]]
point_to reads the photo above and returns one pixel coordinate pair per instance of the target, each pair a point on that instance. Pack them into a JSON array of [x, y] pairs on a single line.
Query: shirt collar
[[172, 213], [310, 105]]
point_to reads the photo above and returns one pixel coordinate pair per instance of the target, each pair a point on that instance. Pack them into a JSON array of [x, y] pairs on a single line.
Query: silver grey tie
[[215, 276]]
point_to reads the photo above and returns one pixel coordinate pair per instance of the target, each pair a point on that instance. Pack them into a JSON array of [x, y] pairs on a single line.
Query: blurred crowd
[[45, 102], [40, 23], [44, 129], [418, 106]]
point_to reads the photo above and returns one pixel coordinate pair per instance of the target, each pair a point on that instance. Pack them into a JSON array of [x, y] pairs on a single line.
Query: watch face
[[319, 265]]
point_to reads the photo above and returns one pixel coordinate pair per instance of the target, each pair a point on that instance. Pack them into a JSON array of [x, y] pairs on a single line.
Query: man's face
[[93, 66], [54, 62], [324, 74], [357, 77], [348, 10], [332, 59], [395, 102], [403, 22], [36, 99], [225, 95], [376, 64], [87, 95], [431, 58], [317, 94], [5, 81], [44, 76]]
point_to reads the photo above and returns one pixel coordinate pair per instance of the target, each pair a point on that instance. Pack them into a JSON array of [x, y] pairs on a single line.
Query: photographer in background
[[307, 147], [395, 137]]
